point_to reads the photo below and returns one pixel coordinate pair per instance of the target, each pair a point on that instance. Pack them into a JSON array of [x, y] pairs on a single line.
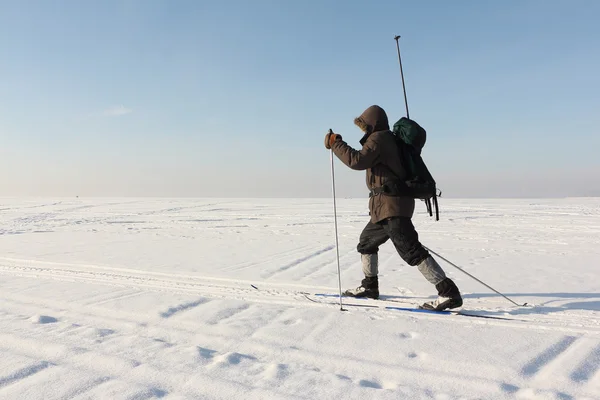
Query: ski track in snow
[[143, 298]]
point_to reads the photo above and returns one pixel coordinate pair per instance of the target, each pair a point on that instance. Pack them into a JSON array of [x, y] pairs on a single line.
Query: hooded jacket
[[380, 158]]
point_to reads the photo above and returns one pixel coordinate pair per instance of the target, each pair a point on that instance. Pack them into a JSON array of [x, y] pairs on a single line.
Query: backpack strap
[[430, 207], [390, 188]]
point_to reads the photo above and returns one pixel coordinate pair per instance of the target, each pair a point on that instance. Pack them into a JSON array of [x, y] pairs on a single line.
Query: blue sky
[[233, 98]]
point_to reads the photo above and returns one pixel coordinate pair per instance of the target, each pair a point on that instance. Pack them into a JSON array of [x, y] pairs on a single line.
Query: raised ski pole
[[337, 247], [483, 283], [402, 74]]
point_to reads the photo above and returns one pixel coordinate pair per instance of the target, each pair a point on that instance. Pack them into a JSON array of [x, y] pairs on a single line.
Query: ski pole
[[483, 283], [402, 74], [337, 247]]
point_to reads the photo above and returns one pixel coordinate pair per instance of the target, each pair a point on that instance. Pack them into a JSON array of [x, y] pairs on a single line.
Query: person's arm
[[362, 159]]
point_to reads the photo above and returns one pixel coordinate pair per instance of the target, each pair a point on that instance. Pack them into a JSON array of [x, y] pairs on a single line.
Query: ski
[[452, 312], [387, 303], [369, 303], [366, 299]]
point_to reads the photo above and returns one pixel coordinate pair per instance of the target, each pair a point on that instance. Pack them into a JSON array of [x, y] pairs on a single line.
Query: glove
[[330, 138]]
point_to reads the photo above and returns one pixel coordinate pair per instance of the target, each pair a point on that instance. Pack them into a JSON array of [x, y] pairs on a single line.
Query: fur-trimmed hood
[[373, 119]]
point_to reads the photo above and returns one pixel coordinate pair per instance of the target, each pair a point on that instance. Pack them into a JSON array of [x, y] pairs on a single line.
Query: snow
[[153, 298]]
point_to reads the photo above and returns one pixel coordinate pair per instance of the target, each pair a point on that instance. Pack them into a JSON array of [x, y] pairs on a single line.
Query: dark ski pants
[[404, 237]]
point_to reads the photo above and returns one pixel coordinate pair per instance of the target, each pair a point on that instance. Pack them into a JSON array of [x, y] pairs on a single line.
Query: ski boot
[[448, 297], [369, 288]]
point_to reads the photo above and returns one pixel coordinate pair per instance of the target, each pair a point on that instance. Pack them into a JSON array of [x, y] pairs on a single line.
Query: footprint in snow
[[508, 388], [206, 354], [276, 371], [292, 321], [151, 392], [409, 335], [43, 319], [236, 358], [370, 384], [104, 332], [227, 359], [414, 355], [163, 342]]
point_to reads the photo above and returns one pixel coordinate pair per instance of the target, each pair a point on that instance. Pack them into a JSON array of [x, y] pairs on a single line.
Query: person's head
[[373, 119]]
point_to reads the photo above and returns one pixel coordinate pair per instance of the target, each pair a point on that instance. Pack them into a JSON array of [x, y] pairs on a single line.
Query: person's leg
[[406, 240], [372, 236]]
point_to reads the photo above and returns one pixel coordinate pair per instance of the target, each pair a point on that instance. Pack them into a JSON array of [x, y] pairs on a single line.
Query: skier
[[390, 212]]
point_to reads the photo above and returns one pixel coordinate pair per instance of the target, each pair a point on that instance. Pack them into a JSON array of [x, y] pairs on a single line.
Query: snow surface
[[146, 298]]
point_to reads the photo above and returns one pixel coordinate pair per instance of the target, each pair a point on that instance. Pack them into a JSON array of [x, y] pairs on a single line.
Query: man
[[391, 213]]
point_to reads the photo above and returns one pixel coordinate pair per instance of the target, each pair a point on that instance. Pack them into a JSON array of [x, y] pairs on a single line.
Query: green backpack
[[411, 138]]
